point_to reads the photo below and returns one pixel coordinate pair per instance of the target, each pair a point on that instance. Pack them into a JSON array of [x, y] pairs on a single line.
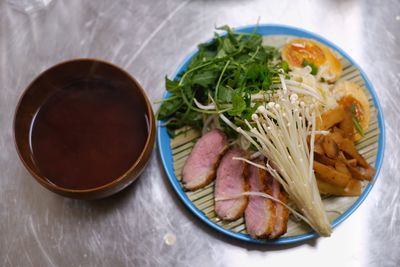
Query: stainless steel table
[[149, 39]]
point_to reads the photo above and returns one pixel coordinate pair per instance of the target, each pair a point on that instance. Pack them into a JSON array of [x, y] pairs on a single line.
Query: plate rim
[[165, 152]]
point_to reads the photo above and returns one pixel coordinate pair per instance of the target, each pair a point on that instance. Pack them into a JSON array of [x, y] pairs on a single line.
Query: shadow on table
[[117, 200]]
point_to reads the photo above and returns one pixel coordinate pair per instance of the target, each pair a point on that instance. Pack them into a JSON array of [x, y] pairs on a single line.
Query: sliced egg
[[297, 51], [350, 93]]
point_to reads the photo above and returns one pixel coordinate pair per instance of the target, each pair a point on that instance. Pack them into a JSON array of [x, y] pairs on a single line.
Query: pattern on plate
[[203, 198]]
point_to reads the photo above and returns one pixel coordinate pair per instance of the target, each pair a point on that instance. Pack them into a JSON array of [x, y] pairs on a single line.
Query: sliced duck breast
[[260, 212], [231, 182], [200, 167], [281, 212]]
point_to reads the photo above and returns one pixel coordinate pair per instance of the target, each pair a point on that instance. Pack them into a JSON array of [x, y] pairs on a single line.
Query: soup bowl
[[53, 149]]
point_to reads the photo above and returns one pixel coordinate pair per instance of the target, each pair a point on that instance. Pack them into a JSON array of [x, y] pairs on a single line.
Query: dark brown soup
[[88, 134]]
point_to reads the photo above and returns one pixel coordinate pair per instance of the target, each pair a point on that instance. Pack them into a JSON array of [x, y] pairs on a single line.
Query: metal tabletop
[[146, 224]]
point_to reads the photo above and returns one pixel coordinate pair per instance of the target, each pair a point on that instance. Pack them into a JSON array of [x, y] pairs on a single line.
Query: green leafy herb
[[225, 94], [285, 66], [238, 104], [356, 122], [314, 68], [228, 69]]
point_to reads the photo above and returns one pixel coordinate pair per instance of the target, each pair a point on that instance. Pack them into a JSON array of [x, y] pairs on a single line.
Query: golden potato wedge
[[324, 159], [351, 162], [361, 173], [353, 188], [347, 146], [318, 144], [330, 175], [331, 149], [338, 131], [341, 167], [330, 118], [348, 162]]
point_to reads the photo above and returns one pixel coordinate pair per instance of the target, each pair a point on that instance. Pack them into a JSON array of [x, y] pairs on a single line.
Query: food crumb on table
[[169, 239]]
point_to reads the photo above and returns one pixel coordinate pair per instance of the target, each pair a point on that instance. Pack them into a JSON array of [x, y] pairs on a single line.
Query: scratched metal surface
[[149, 39]]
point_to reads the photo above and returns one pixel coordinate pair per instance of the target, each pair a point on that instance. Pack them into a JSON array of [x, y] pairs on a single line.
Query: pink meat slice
[[260, 212], [201, 165], [230, 182], [281, 212]]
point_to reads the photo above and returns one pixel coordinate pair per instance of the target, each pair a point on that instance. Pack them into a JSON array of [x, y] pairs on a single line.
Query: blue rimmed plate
[[173, 152]]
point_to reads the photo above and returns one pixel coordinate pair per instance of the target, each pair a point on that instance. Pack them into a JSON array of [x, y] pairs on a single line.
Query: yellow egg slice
[[298, 50], [350, 93]]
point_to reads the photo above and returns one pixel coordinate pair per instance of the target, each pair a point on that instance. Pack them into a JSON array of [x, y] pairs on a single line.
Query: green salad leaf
[[226, 70]]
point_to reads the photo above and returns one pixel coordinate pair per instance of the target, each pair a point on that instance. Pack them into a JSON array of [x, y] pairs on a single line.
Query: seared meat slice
[[230, 182], [260, 212], [200, 167], [281, 212]]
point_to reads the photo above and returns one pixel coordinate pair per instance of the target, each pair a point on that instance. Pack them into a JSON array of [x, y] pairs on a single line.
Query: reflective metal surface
[[146, 224]]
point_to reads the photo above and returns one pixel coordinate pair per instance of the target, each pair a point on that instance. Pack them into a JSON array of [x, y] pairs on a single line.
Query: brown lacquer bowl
[[56, 136]]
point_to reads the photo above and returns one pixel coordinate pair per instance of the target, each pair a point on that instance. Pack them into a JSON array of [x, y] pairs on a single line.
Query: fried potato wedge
[[330, 175], [351, 162], [361, 173], [347, 146], [331, 149], [341, 167], [353, 188], [321, 158], [338, 166], [330, 118], [357, 172], [318, 144]]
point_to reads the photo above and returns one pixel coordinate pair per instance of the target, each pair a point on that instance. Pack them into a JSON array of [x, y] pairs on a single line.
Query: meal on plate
[[278, 130]]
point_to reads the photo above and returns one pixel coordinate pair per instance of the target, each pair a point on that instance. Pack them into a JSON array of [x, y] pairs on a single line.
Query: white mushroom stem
[[280, 134], [301, 89], [199, 105]]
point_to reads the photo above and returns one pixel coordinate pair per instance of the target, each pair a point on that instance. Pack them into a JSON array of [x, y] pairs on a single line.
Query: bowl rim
[[163, 140], [148, 145]]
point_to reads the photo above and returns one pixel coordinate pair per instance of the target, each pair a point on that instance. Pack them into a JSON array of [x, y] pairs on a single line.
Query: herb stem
[[219, 82], [255, 53], [190, 106], [166, 99]]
